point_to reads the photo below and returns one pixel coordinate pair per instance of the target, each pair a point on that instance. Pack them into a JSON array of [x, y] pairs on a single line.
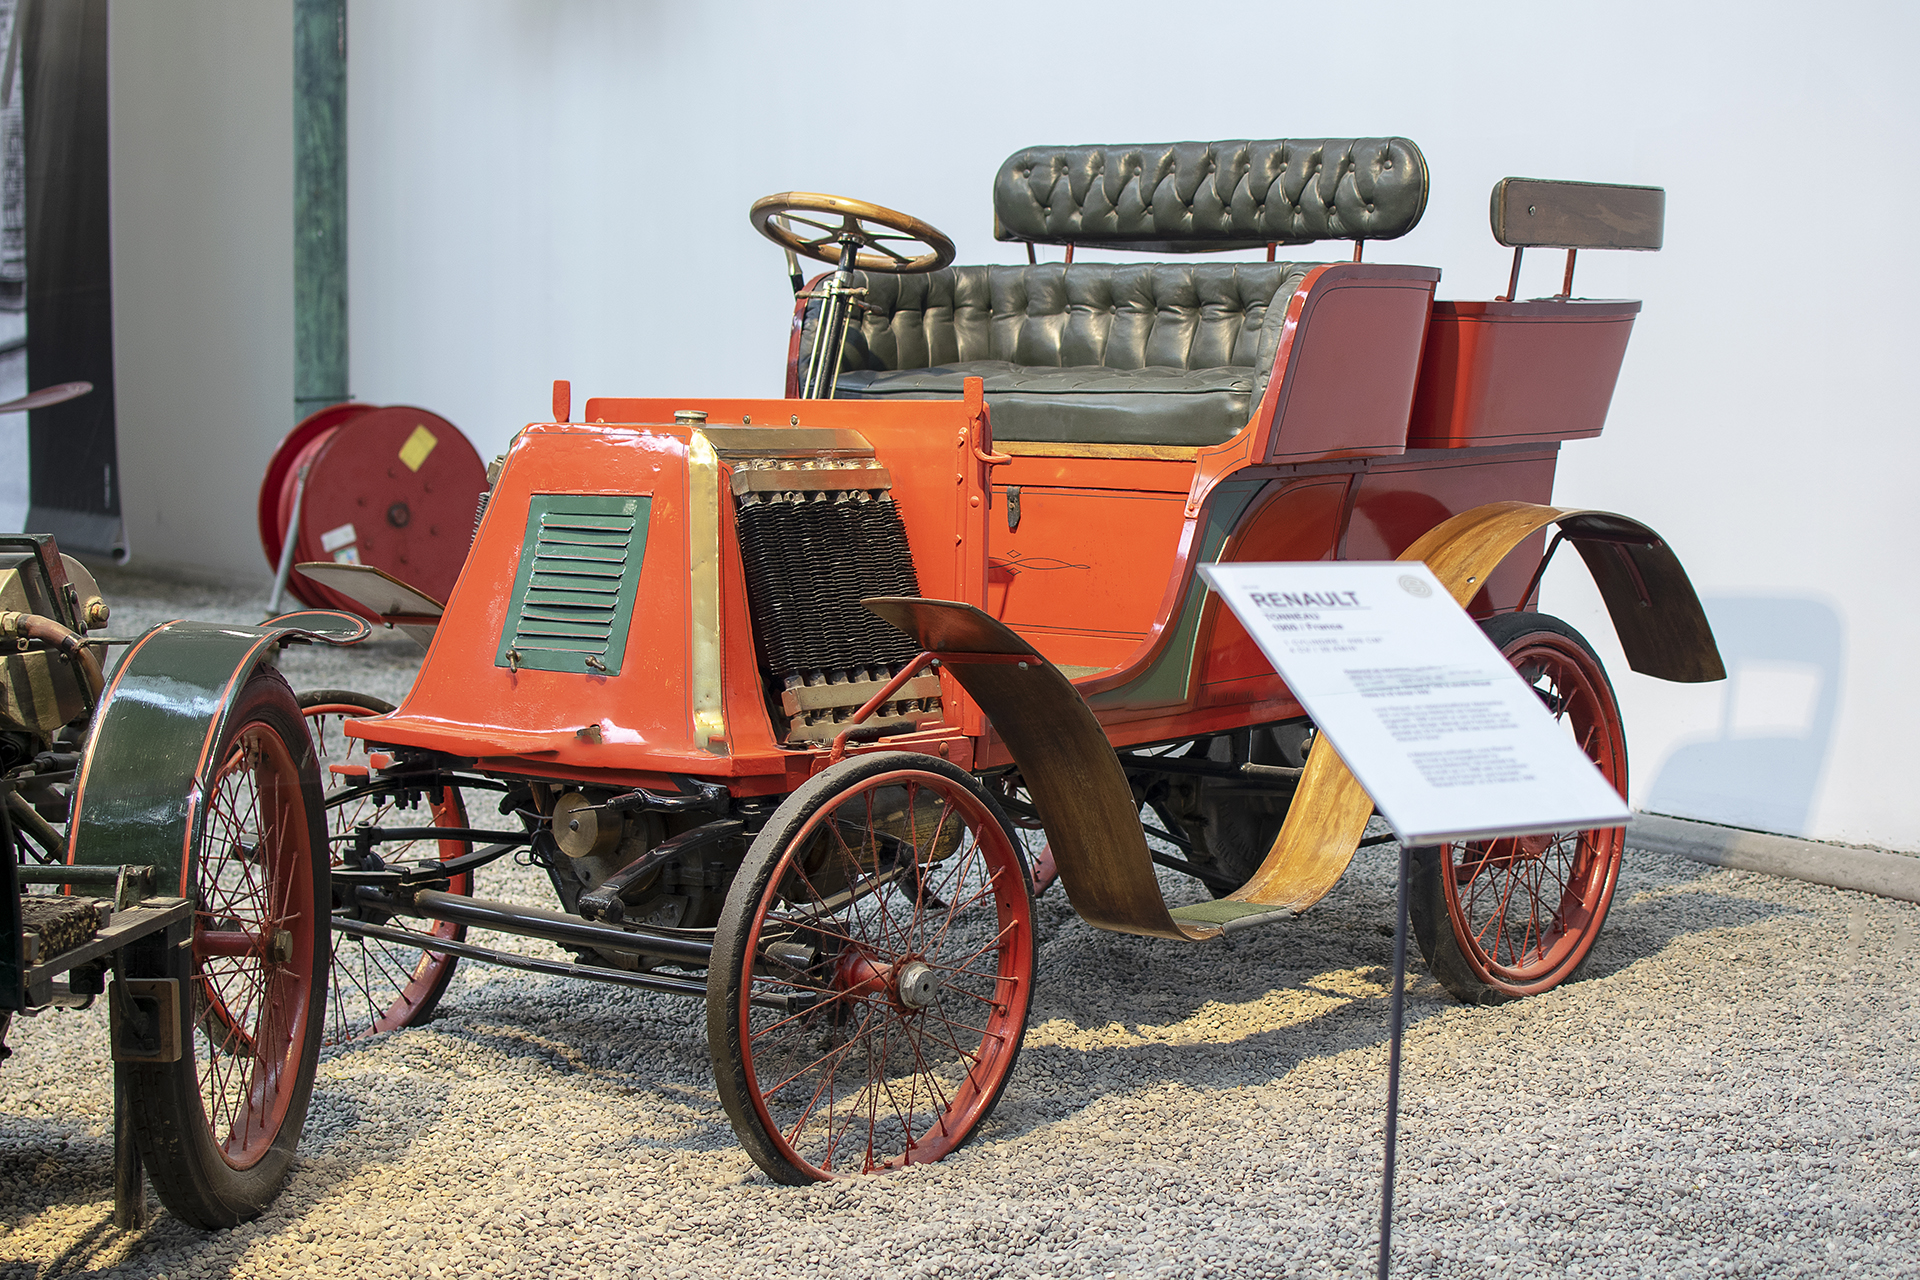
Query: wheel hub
[[911, 984], [917, 984]]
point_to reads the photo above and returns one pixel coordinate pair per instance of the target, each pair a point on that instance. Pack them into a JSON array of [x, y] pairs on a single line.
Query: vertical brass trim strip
[[703, 595]]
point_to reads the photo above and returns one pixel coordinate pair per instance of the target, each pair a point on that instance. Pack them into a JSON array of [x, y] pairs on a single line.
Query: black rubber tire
[[383, 986], [962, 1106], [184, 1156], [1453, 953]]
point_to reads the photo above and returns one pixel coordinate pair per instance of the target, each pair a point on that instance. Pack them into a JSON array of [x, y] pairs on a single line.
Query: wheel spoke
[[933, 843], [873, 1096], [826, 1081], [831, 232], [960, 965], [953, 916], [927, 1073], [878, 897], [830, 1060], [381, 984], [989, 1001], [833, 999], [972, 1057], [893, 1098], [982, 1032], [1532, 928], [978, 896]]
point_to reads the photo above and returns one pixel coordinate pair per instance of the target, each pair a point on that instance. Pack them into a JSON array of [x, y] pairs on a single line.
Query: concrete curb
[[1890, 875]]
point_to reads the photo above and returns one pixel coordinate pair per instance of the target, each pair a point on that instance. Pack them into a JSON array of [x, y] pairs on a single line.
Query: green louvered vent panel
[[573, 596]]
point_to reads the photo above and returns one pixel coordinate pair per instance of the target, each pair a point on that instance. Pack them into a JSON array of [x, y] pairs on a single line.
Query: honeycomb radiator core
[[811, 555]]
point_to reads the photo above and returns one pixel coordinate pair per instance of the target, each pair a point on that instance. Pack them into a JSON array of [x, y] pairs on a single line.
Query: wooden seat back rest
[[1539, 213], [1543, 213]]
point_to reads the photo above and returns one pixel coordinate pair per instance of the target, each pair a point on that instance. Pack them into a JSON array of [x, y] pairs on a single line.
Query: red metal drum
[[392, 487]]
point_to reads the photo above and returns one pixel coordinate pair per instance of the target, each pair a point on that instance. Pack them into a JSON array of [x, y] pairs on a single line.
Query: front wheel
[[1498, 919], [218, 1127], [872, 971]]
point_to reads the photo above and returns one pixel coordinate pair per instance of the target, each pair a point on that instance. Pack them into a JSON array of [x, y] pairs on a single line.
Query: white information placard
[[1441, 731]]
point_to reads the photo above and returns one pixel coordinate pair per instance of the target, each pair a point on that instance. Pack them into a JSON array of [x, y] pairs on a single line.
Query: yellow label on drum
[[418, 446]]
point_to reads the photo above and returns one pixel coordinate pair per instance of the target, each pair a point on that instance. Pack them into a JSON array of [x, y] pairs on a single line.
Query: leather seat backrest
[[1197, 197]]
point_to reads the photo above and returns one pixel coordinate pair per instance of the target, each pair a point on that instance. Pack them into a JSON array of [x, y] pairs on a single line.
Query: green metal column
[[319, 204]]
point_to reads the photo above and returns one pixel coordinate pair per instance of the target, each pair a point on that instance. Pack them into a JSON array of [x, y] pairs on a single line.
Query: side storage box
[[1506, 372]]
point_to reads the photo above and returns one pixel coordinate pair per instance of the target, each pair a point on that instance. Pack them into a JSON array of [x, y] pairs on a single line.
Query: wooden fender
[[1655, 613], [146, 762], [1069, 767], [1081, 792]]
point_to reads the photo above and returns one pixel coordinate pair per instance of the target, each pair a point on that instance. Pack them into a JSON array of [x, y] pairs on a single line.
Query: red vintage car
[[799, 701]]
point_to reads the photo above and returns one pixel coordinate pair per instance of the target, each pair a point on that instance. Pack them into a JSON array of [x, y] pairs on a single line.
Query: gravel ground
[[1731, 1091]]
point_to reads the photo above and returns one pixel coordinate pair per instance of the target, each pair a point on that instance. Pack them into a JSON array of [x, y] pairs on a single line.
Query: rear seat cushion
[[1182, 350], [1086, 404]]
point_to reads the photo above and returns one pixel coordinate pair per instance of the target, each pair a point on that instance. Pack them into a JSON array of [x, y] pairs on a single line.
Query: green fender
[[148, 756]]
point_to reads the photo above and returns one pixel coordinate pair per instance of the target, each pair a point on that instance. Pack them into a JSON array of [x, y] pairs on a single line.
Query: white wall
[[545, 191], [201, 103]]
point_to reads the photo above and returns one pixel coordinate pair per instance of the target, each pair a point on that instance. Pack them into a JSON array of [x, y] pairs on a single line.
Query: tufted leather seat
[[1107, 353], [1196, 197], [1158, 353]]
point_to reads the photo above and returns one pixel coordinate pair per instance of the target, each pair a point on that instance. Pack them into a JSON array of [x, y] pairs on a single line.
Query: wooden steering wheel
[[789, 217]]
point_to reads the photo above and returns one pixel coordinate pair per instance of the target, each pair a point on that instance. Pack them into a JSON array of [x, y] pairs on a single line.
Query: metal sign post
[[1396, 1022], [1449, 741]]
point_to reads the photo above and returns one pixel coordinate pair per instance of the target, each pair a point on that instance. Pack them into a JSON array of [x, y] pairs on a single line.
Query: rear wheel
[[379, 984], [1497, 919], [872, 971], [218, 1127]]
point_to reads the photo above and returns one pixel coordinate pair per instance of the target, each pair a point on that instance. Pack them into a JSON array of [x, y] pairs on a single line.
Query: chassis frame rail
[[660, 983]]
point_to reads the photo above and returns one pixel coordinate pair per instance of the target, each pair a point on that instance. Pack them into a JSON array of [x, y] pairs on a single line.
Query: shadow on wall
[[1763, 766]]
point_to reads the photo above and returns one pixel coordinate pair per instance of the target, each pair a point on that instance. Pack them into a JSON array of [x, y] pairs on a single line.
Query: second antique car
[[196, 910]]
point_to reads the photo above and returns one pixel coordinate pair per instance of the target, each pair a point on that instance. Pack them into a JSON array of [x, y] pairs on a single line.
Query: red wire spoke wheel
[[1499, 919], [219, 1126], [377, 984], [872, 971]]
